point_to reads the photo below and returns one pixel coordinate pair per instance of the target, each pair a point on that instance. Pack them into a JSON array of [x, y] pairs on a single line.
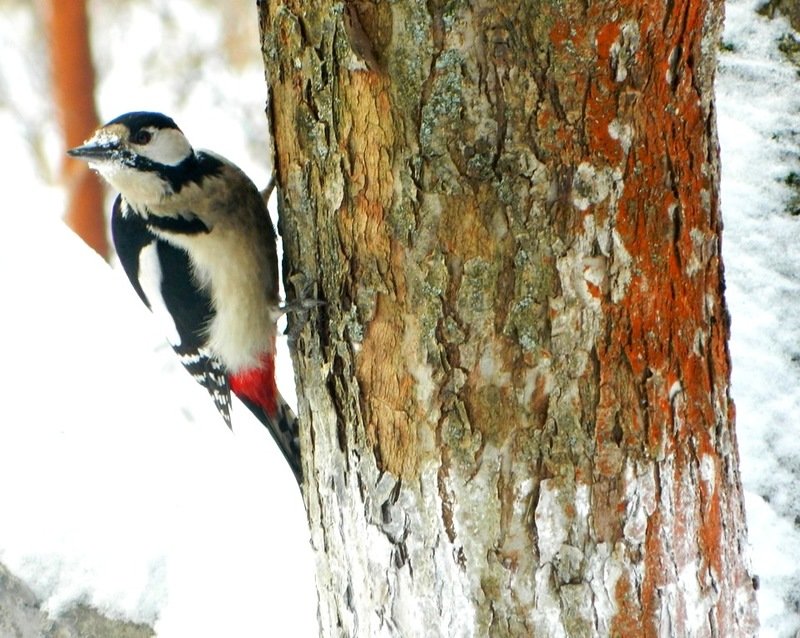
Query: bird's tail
[[257, 390]]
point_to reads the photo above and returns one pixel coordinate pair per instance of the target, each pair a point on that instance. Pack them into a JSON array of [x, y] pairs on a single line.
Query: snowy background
[[119, 485], [758, 103]]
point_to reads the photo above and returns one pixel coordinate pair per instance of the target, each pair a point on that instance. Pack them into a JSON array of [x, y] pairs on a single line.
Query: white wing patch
[[201, 364], [150, 280]]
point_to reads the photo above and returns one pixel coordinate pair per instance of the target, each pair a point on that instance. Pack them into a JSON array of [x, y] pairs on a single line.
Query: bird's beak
[[96, 148]]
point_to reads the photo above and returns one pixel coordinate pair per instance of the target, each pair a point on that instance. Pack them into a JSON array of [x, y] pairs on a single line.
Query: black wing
[[161, 274]]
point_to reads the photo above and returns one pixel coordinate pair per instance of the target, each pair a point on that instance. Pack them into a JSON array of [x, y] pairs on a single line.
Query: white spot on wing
[[150, 280]]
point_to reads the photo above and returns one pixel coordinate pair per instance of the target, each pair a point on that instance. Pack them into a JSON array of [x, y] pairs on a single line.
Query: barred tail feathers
[[257, 390], [209, 373]]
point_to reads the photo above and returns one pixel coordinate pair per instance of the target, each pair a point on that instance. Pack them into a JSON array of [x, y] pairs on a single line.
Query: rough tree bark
[[515, 400]]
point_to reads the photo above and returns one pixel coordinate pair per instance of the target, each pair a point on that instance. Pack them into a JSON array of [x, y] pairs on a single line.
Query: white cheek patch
[[168, 146], [150, 281]]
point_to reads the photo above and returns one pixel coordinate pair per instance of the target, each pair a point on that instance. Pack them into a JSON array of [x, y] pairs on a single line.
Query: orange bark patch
[[665, 313], [602, 104], [559, 32], [601, 111], [387, 390], [711, 515], [628, 621], [461, 231], [606, 36]]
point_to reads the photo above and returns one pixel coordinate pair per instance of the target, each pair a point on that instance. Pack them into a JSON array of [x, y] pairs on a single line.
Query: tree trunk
[[515, 398], [73, 89]]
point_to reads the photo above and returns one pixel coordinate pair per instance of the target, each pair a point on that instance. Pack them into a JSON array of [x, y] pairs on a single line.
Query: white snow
[[119, 484], [758, 100]]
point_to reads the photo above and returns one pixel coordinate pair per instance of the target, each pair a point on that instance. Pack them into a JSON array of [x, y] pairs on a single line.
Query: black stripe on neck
[[194, 169], [180, 225]]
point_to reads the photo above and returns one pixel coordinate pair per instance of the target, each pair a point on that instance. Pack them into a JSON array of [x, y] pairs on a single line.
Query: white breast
[[243, 327]]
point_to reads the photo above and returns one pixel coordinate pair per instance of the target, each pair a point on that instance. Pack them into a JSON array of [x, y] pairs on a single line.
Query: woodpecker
[[195, 239]]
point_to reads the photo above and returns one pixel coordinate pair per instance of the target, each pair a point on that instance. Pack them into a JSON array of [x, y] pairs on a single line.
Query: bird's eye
[[142, 136]]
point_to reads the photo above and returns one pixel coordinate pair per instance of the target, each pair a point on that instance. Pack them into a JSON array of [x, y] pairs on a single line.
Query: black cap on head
[[140, 119]]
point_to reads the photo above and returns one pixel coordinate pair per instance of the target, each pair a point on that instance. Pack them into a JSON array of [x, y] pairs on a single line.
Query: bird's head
[[143, 155]]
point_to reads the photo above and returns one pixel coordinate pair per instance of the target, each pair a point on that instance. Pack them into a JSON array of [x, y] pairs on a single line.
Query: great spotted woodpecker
[[194, 237]]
